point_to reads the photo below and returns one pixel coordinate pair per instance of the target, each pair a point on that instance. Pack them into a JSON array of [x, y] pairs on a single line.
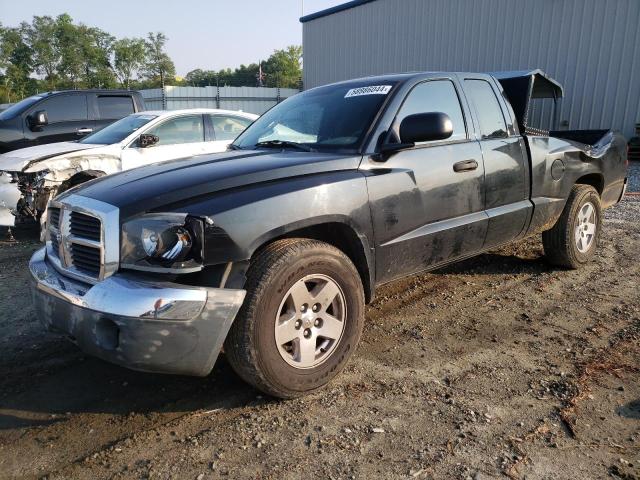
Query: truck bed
[[587, 137]]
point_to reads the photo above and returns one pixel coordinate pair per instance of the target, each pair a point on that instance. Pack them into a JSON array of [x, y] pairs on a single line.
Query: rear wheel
[[302, 318], [573, 239]]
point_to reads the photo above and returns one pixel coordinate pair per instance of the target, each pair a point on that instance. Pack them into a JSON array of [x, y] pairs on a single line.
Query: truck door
[[505, 162], [67, 116], [427, 203]]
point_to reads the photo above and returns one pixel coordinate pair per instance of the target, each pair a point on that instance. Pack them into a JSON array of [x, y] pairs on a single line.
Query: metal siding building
[[591, 46]]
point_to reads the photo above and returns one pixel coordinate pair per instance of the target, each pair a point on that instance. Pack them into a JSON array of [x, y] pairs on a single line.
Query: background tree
[[42, 37], [4, 58], [283, 67], [56, 53], [16, 57], [129, 58], [97, 47], [159, 67], [69, 43], [245, 75]]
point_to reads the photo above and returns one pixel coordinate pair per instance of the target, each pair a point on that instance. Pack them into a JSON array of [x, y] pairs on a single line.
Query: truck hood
[[17, 160], [153, 186]]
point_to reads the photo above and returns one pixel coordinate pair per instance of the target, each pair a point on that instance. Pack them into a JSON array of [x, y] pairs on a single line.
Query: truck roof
[[545, 85], [89, 90], [520, 86]]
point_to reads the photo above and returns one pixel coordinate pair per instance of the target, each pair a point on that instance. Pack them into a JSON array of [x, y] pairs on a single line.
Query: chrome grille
[[54, 217], [86, 259], [84, 226], [83, 237], [83, 244], [54, 229]]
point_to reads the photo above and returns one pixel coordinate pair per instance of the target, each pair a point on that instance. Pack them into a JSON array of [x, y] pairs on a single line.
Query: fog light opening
[[107, 334]]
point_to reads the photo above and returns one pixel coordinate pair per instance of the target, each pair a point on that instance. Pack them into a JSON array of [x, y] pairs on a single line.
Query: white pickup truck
[[29, 177]]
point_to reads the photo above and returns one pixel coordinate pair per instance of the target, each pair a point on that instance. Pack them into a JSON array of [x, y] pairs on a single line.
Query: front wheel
[[301, 320], [573, 239]]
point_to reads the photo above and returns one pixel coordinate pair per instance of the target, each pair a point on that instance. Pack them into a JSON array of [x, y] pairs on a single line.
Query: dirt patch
[[500, 366]]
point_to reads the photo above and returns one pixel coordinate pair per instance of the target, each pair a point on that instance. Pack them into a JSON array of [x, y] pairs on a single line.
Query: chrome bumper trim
[[159, 327]]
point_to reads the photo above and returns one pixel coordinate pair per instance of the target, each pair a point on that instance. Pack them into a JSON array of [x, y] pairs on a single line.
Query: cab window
[[186, 129], [485, 103], [112, 107], [64, 108], [435, 96]]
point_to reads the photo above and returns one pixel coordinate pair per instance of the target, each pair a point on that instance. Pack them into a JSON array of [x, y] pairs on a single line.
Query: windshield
[[335, 117], [19, 107], [118, 131]]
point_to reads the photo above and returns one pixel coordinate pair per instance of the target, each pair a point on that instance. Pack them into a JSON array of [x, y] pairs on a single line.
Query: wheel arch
[[595, 179], [340, 235]]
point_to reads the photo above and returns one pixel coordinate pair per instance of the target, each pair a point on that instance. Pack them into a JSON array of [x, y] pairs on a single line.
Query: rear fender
[[558, 164]]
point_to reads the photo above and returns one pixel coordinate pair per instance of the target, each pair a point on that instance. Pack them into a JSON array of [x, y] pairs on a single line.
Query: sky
[[210, 35]]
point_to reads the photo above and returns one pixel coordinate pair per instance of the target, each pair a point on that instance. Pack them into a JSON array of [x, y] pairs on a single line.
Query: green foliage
[[54, 53], [16, 59], [64, 54], [129, 57], [42, 36], [158, 67], [97, 52], [282, 69]]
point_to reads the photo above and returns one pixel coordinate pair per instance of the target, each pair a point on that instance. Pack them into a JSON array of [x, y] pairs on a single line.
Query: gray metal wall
[[591, 46], [248, 99]]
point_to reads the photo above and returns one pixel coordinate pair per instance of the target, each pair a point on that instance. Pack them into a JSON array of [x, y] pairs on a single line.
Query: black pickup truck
[[63, 116], [273, 248]]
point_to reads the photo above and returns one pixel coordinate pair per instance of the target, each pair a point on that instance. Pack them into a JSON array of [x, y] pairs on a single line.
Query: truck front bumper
[[134, 322]]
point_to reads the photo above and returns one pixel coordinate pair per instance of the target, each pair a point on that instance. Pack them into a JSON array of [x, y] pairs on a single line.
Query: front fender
[[246, 218]]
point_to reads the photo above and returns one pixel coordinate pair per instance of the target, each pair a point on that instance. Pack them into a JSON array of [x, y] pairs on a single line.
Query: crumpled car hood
[[17, 160]]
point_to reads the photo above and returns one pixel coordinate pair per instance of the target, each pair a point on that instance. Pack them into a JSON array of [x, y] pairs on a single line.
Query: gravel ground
[[634, 177], [498, 367]]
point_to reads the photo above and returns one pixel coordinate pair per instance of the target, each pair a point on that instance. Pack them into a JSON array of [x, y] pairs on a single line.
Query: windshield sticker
[[372, 90]]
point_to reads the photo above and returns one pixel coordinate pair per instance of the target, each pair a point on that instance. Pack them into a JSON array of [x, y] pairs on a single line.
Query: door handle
[[465, 166], [84, 131]]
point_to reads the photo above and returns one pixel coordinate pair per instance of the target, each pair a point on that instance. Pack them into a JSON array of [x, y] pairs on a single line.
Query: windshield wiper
[[233, 146], [284, 144]]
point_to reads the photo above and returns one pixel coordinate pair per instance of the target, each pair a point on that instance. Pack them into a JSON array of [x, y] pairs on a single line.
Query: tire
[[78, 179], [565, 245], [252, 346]]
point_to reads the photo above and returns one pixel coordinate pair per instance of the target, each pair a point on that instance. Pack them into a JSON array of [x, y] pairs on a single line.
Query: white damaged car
[[29, 177]]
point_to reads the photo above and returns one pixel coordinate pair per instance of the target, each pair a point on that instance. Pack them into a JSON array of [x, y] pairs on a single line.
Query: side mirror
[[425, 127], [420, 127], [38, 119], [147, 140]]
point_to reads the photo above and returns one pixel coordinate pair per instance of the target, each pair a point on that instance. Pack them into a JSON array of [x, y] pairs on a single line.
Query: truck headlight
[[172, 244], [163, 243]]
